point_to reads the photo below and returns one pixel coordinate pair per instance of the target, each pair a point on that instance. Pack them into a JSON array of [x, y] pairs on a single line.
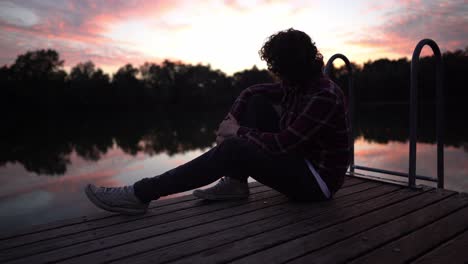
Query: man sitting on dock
[[291, 135]]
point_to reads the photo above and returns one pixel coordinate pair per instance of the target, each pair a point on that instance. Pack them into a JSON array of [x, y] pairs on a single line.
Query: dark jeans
[[238, 158]]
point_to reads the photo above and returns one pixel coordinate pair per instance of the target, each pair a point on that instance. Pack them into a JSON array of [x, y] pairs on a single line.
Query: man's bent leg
[[207, 168], [260, 114], [234, 156]]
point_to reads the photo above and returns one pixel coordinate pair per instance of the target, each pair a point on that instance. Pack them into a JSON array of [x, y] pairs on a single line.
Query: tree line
[[38, 79], [388, 81]]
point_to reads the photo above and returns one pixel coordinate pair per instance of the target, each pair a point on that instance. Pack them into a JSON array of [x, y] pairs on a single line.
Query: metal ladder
[[413, 113]]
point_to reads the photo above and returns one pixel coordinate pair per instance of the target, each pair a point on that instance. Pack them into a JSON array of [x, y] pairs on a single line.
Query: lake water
[[44, 166]]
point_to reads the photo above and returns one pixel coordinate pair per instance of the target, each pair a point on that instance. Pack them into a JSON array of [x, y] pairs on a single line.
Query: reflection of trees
[[44, 144], [382, 93], [384, 123], [35, 144]]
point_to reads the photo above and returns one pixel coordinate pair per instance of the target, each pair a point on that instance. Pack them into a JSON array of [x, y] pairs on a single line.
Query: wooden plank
[[148, 243], [77, 220], [345, 190], [117, 218], [324, 238], [453, 252], [8, 240], [227, 237], [91, 240], [420, 241], [271, 238], [350, 181], [142, 228], [359, 244], [136, 224]]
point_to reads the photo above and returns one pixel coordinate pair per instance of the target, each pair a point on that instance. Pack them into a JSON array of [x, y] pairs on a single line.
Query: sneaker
[[226, 189], [119, 199]]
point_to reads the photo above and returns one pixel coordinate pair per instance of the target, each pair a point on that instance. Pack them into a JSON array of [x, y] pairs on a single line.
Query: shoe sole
[[127, 211], [217, 197]]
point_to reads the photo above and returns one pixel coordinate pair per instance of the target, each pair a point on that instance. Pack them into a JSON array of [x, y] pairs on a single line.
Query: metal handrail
[[350, 99], [414, 112], [413, 116]]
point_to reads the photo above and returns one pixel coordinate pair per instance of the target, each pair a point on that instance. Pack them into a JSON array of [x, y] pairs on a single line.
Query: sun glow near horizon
[[228, 39], [225, 34]]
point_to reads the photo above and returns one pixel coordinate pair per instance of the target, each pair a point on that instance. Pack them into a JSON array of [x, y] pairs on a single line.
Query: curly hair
[[292, 56]]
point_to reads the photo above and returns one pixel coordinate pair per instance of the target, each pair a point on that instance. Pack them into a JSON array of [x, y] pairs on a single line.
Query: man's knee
[[237, 146], [260, 114], [232, 143]]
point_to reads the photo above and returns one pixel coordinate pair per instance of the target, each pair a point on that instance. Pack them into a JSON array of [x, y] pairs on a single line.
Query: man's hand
[[227, 128], [231, 117], [219, 140]]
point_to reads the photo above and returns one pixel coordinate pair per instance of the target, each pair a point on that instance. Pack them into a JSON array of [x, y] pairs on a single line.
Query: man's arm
[[316, 115], [230, 125]]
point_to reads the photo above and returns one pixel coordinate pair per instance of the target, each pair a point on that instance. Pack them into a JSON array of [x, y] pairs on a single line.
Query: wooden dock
[[366, 222]]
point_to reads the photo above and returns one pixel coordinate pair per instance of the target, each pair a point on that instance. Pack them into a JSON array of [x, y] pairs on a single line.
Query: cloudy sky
[[226, 34]]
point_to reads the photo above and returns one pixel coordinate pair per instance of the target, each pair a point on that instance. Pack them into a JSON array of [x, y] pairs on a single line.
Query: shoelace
[[221, 183], [107, 189], [115, 189]]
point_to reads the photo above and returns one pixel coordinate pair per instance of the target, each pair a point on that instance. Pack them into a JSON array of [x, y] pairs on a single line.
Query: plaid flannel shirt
[[313, 126]]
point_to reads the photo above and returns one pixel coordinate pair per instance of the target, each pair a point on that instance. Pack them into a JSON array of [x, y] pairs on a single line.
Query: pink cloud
[[77, 30], [73, 49], [80, 29], [403, 27]]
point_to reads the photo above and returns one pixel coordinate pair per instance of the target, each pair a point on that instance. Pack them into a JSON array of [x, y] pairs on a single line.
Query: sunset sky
[[226, 34]]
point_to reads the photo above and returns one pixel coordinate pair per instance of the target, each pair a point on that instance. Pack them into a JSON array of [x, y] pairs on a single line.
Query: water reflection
[[394, 156], [44, 145], [384, 123], [26, 199]]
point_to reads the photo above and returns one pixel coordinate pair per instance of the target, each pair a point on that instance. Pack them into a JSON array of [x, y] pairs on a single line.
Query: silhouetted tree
[[127, 87], [38, 65], [36, 78], [160, 79], [7, 91], [88, 85], [182, 84]]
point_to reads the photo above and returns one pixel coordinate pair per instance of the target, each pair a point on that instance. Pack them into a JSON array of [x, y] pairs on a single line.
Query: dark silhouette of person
[[291, 135]]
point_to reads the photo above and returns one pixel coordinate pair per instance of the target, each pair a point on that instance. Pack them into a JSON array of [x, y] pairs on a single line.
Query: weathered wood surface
[[366, 222]]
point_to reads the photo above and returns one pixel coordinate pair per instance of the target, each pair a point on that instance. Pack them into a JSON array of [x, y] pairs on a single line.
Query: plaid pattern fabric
[[313, 126]]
